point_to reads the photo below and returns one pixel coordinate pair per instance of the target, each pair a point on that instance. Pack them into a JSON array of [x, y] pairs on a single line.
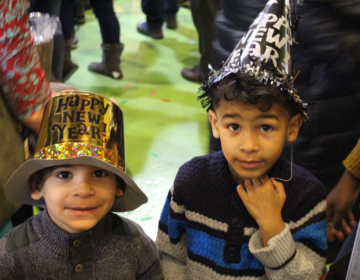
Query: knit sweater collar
[[56, 240]]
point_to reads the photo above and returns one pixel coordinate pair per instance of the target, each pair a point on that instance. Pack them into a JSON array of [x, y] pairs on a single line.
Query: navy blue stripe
[[211, 231], [165, 229]]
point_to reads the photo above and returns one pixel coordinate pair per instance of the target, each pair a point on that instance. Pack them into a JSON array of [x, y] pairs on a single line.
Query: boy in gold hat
[[77, 175]]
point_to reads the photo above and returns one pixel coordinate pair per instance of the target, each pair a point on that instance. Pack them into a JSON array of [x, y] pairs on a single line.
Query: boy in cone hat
[[77, 175], [246, 212]]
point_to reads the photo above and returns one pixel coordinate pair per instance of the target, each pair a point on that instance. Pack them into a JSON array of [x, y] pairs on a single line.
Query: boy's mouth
[[82, 210], [252, 164]]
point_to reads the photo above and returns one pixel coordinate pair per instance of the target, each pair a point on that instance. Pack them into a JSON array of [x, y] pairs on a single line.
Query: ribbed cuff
[[352, 162], [281, 248]]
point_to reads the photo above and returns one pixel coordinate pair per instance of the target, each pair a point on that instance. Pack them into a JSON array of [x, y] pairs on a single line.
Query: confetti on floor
[[153, 92], [128, 85], [137, 55], [125, 139], [123, 102], [192, 41], [153, 154], [146, 219], [166, 100]]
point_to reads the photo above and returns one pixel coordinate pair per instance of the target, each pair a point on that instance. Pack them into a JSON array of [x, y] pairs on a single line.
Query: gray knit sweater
[[116, 248]]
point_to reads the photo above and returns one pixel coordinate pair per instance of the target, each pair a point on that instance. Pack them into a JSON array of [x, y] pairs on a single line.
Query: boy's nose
[[83, 189], [248, 143]]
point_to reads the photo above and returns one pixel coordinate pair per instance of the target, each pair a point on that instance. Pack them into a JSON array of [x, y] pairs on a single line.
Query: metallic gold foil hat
[[78, 128]]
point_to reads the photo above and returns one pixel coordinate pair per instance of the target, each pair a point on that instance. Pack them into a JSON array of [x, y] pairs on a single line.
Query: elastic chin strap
[[291, 166]]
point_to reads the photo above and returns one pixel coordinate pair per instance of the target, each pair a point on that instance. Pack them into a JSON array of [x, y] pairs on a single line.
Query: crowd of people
[[274, 199]]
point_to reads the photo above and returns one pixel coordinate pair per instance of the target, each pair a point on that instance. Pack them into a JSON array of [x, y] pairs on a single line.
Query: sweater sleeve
[[352, 162], [7, 263], [171, 239], [298, 252], [148, 263], [22, 79]]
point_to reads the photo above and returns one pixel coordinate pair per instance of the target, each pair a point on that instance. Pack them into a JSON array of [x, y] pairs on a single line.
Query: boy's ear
[[119, 192], [35, 191], [214, 124], [294, 127]]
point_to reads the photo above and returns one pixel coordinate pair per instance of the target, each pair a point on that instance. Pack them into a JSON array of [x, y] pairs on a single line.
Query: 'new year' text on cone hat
[[78, 128], [263, 52]]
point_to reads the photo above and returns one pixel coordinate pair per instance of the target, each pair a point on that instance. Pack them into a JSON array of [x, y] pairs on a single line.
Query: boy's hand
[[264, 198]]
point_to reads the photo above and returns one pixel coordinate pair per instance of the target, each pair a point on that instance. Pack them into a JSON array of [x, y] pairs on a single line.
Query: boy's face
[[77, 196], [252, 140]]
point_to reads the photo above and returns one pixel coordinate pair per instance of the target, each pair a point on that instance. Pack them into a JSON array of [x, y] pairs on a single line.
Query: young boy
[[77, 175], [228, 216]]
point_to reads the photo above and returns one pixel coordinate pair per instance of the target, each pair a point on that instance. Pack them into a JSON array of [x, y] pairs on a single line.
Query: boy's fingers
[[256, 183], [241, 191], [279, 187], [249, 185], [265, 179]]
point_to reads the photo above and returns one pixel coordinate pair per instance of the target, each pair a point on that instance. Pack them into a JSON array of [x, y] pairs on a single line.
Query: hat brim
[[18, 190]]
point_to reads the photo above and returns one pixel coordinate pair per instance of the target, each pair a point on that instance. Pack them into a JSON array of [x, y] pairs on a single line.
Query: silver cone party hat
[[263, 52]]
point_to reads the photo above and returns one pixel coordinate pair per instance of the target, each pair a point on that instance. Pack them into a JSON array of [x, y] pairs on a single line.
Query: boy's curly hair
[[245, 89]]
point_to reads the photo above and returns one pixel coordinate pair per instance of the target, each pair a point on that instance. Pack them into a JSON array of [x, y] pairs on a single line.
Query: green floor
[[165, 125]]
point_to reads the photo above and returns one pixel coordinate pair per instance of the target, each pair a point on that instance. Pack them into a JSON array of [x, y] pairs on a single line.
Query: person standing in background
[[23, 85]]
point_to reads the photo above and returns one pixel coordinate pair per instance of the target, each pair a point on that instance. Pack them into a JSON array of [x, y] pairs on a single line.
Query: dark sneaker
[[144, 28], [192, 74], [171, 21]]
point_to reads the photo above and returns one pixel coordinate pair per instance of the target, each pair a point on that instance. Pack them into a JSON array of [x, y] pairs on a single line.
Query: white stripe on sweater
[[213, 224], [320, 207]]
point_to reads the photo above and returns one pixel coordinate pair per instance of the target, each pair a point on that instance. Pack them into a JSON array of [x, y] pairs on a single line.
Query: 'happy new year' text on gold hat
[[78, 128]]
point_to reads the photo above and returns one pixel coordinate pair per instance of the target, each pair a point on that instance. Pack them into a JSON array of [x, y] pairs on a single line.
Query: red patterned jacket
[[22, 79]]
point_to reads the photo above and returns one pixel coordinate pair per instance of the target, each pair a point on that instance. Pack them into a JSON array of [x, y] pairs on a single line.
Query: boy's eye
[[266, 128], [234, 127], [64, 175], [99, 173]]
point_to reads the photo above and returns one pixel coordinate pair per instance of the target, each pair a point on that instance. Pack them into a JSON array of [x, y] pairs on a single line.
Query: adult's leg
[[154, 11], [172, 7], [203, 13], [67, 22], [155, 16], [109, 24], [110, 33]]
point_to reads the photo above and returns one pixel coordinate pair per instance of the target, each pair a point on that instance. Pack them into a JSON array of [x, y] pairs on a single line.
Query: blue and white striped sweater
[[197, 237]]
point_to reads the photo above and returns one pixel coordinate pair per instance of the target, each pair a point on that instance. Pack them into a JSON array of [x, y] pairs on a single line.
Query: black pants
[[103, 10], [109, 24], [67, 18], [155, 10], [203, 13]]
